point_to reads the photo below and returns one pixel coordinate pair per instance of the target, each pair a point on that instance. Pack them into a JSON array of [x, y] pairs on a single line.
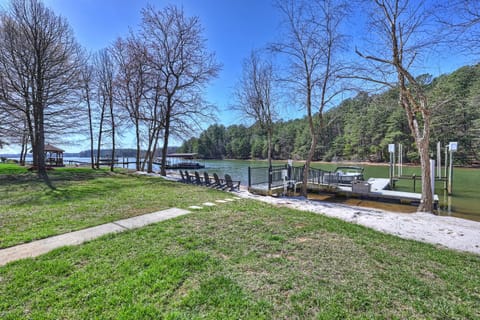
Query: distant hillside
[[119, 153], [127, 153], [362, 127]]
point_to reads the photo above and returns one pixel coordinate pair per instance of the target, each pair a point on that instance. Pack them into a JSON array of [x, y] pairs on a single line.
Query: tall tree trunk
[[25, 140], [308, 162], [112, 164], [423, 143], [163, 170], [39, 149], [153, 151], [90, 129], [312, 136], [426, 204], [269, 141], [137, 137], [99, 142], [31, 134], [148, 154], [422, 140]]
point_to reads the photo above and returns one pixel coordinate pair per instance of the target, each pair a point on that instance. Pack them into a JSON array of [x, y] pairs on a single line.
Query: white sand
[[454, 233]]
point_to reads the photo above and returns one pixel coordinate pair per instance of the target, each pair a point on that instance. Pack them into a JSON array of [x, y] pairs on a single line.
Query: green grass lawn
[[29, 210], [239, 260]]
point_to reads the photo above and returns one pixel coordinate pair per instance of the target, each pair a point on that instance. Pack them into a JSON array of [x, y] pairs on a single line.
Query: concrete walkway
[[39, 247]]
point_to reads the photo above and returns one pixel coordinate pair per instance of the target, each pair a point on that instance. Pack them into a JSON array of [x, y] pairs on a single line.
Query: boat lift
[[447, 176]]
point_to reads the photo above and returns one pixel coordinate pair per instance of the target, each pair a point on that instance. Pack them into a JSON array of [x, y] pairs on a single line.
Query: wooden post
[[450, 174], [270, 178], [390, 170], [400, 160], [439, 160], [452, 146], [432, 176], [391, 151], [446, 168], [290, 165], [393, 165]]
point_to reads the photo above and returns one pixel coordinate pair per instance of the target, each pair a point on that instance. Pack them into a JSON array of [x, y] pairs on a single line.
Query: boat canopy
[[182, 155]]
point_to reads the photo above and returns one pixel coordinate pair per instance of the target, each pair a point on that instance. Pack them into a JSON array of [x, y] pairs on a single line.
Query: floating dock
[[379, 191], [376, 189]]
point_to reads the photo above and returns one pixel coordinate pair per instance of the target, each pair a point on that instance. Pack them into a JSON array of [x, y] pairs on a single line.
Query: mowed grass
[[29, 210], [243, 260]]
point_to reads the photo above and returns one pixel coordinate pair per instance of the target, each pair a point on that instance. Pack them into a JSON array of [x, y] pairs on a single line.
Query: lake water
[[464, 203]]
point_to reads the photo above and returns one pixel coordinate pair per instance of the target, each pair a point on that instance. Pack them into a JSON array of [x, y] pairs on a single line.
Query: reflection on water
[[445, 208], [448, 209], [363, 203]]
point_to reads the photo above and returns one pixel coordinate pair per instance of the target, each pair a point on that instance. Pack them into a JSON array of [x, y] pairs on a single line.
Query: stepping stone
[[221, 201], [237, 198], [209, 204], [229, 199], [195, 207], [150, 218]]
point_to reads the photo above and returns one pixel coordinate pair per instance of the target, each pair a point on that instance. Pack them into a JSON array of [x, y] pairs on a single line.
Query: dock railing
[[265, 176], [269, 178]]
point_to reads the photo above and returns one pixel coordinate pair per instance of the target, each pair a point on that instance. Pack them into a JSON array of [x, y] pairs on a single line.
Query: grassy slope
[[83, 198], [243, 260]]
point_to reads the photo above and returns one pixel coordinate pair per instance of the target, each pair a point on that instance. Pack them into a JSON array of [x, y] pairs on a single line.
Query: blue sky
[[232, 29]]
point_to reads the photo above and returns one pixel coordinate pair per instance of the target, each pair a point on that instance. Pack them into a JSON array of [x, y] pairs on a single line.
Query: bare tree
[[139, 92], [105, 70], [404, 30], [155, 119], [131, 82], [462, 19], [39, 65], [87, 77], [311, 42], [181, 64], [255, 95]]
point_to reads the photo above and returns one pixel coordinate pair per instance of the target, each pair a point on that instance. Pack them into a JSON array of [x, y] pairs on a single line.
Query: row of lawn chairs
[[212, 182]]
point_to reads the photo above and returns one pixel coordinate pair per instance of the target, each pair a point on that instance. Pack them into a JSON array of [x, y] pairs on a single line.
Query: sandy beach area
[[448, 232]]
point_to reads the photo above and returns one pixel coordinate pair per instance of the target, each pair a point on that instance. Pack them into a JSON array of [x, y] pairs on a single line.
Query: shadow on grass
[[69, 184], [77, 174]]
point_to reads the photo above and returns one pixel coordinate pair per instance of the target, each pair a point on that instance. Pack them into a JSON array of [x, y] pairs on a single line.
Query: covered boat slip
[[282, 180], [177, 161], [277, 176]]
